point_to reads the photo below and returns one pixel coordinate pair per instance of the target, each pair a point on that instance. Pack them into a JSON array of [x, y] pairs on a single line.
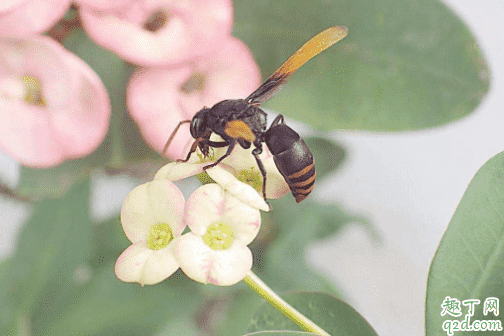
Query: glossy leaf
[[43, 274], [109, 307], [404, 64], [333, 315], [469, 262]]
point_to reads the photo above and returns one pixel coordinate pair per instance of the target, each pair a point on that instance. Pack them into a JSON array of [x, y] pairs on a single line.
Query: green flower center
[[33, 93], [252, 177], [204, 178], [218, 236], [160, 236]]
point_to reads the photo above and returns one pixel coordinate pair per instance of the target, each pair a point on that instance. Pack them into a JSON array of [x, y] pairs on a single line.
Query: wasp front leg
[[231, 143]]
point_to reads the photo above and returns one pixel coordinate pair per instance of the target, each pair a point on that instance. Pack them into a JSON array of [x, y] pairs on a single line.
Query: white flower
[[215, 251], [152, 219], [243, 191]]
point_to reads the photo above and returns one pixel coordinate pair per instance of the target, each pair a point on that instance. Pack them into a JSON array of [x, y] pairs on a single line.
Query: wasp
[[242, 121]]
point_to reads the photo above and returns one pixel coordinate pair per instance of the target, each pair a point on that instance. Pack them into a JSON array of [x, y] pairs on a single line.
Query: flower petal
[[191, 28], [74, 117], [140, 264], [175, 171], [211, 204], [240, 190], [159, 201], [219, 267], [31, 17], [204, 207]]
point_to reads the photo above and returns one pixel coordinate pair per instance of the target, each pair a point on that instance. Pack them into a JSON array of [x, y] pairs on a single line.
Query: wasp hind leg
[[279, 119], [256, 151]]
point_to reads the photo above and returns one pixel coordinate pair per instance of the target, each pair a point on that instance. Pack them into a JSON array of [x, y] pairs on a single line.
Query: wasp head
[[199, 124]]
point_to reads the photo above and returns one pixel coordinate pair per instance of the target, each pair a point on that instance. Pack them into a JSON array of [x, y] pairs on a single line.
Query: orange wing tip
[[342, 30]]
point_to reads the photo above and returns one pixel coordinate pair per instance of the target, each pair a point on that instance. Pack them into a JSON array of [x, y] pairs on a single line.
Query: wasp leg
[[192, 150], [218, 144], [256, 152], [231, 144], [279, 119]]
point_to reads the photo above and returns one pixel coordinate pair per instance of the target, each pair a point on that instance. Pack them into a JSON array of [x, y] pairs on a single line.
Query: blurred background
[[408, 184]]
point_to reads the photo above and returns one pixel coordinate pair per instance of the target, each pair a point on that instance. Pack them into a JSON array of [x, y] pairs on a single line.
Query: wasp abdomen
[[293, 159]]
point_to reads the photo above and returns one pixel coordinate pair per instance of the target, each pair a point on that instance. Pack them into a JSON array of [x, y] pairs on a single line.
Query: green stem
[[276, 301]]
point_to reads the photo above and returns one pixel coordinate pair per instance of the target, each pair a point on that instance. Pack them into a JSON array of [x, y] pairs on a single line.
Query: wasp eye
[[198, 123]]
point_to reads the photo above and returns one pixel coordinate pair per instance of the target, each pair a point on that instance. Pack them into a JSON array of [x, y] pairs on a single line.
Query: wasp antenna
[[173, 135]]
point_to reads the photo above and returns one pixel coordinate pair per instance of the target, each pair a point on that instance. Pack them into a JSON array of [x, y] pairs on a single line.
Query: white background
[[408, 184]]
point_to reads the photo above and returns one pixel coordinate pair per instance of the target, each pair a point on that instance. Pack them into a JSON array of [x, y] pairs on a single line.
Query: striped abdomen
[[293, 159]]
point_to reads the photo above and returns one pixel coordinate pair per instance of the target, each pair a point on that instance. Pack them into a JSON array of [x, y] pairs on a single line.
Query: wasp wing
[[313, 47]]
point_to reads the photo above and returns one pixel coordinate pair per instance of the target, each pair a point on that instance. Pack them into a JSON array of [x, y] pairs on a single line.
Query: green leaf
[[108, 306], [404, 64], [328, 155], [469, 262], [279, 333], [241, 305], [279, 257], [6, 308], [61, 279], [53, 246], [333, 315]]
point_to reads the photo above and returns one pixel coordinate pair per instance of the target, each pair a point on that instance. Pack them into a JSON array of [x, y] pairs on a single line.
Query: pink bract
[[184, 29], [105, 4], [159, 97], [28, 17], [74, 117]]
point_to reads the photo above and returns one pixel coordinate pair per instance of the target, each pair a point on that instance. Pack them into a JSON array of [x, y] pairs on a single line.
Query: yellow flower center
[[160, 236], [252, 177], [218, 236], [195, 83], [33, 93]]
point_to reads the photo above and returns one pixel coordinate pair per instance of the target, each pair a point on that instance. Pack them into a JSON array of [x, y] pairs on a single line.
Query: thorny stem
[[276, 301]]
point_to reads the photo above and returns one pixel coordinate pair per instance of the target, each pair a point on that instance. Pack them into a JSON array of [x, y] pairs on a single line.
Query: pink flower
[[105, 4], [29, 17], [215, 251], [53, 106], [162, 31], [158, 98], [152, 219]]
